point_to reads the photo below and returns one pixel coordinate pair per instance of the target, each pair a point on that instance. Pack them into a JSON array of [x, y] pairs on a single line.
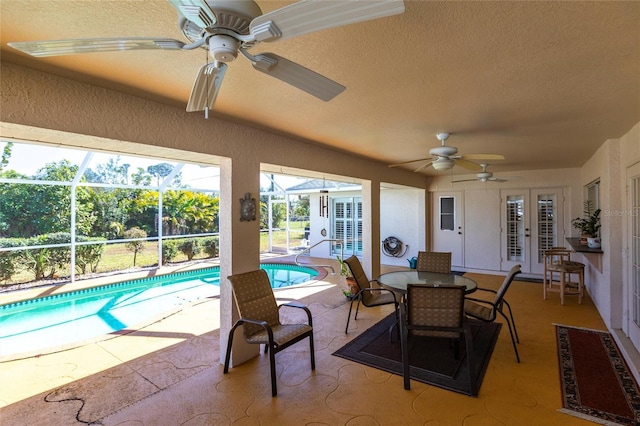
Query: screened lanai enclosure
[[70, 213]]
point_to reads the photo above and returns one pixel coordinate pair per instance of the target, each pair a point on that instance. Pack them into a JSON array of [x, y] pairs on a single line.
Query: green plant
[[209, 246], [344, 269], [169, 250], [189, 247], [351, 282], [590, 223], [137, 245]]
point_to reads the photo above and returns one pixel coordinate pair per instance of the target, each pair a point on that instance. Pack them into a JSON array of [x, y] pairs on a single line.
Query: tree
[[189, 212], [28, 210], [6, 155], [112, 172], [278, 213], [301, 207], [160, 171], [136, 246]]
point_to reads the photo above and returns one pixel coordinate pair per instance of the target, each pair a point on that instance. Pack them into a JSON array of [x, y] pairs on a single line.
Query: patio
[[170, 373]]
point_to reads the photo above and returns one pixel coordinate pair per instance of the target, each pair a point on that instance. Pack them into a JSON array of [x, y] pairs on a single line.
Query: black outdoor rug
[[432, 360], [597, 384]]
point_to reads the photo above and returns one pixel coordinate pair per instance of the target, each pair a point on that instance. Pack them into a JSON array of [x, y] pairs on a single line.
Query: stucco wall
[[403, 217], [607, 287]]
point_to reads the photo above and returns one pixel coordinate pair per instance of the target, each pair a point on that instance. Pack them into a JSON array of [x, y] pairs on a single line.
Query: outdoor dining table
[[397, 281]]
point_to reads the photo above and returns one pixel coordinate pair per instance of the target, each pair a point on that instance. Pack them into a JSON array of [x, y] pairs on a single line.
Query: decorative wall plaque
[[247, 208]]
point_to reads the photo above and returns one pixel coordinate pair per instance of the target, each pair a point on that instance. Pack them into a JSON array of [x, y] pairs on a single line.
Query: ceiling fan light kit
[[227, 27], [443, 164]]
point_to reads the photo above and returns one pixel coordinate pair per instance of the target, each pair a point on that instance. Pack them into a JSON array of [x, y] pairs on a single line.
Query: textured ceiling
[[543, 83]]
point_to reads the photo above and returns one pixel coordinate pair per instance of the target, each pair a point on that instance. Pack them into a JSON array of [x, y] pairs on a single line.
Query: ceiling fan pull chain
[[208, 76]]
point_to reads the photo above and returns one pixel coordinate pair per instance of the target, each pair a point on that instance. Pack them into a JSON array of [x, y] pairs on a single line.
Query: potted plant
[[589, 226], [351, 281]]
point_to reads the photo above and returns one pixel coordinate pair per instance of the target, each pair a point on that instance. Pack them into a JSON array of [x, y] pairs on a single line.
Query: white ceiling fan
[[485, 176], [227, 27], [445, 157]]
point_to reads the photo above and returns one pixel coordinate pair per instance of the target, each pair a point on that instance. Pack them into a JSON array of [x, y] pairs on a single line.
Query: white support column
[[239, 246], [371, 228]]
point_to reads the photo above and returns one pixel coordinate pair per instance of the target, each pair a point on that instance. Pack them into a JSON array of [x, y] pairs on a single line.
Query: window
[[447, 216], [592, 196]]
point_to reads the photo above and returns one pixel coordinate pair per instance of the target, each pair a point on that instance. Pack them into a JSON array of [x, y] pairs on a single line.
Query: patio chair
[[434, 261], [370, 293], [487, 311], [260, 320], [558, 260], [435, 312]]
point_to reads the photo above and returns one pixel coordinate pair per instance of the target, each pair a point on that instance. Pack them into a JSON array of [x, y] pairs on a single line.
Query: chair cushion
[[477, 310], [375, 298], [282, 333]]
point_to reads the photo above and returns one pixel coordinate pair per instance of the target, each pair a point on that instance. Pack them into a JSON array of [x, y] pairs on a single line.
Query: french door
[[633, 256], [531, 222], [346, 225]]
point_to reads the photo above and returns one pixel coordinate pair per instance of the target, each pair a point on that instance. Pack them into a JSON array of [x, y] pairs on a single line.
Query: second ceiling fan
[[444, 157], [486, 176]]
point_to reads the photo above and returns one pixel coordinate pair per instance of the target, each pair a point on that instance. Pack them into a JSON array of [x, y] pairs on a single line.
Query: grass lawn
[[117, 256]]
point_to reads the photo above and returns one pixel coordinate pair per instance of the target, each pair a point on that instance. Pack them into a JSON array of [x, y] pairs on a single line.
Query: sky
[[27, 159]]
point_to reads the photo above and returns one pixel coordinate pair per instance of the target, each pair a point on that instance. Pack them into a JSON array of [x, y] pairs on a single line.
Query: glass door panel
[[547, 224], [347, 226], [515, 234]]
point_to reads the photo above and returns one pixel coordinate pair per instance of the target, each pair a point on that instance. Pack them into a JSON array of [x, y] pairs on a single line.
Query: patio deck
[[170, 373]]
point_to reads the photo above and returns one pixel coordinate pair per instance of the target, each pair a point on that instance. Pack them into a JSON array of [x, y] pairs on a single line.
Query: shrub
[[169, 250], [88, 256], [209, 245], [10, 260], [44, 262], [189, 247]]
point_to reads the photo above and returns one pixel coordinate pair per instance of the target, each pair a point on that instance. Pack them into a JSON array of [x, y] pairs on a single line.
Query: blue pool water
[[62, 320]]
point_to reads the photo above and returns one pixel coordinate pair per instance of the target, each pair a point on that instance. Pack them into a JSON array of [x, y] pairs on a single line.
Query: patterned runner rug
[[597, 384]]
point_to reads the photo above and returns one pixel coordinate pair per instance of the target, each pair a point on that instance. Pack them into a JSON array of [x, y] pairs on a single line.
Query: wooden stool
[[558, 260]]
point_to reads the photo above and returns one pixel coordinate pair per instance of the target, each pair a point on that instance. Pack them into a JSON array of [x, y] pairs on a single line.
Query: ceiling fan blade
[[423, 166], [464, 180], [298, 76], [483, 157], [308, 16], [469, 165], [90, 45], [205, 88], [196, 11], [408, 162]]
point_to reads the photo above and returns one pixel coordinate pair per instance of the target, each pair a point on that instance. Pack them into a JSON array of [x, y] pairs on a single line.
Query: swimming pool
[[70, 319]]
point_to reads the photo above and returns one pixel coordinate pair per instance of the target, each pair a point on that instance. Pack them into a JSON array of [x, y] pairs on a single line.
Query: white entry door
[[632, 259], [448, 225], [531, 222]]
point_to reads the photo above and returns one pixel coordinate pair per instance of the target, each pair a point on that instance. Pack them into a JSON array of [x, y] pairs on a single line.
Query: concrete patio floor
[[170, 373]]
